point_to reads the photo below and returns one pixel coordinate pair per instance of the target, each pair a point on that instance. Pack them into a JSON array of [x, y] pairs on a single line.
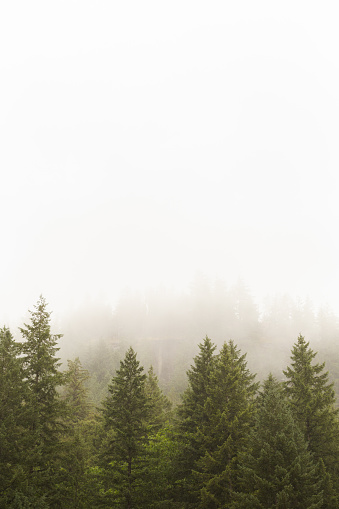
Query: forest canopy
[[107, 433]]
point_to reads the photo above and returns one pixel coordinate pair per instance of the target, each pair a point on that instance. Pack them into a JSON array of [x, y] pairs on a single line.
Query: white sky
[[143, 141]]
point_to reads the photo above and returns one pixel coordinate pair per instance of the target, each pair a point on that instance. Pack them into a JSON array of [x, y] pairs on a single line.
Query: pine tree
[[192, 412], [79, 452], [313, 405], [45, 408], [125, 414], [277, 470], [158, 475], [76, 392], [192, 415], [224, 434], [159, 404], [13, 419]]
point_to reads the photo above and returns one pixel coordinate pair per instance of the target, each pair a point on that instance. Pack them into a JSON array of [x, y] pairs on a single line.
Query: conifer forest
[[113, 432], [169, 304]]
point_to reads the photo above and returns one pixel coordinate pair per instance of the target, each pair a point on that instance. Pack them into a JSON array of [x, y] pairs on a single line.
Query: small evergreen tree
[[159, 405], [277, 470], [76, 392]]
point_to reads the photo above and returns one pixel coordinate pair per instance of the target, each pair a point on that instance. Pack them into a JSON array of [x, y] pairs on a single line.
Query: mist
[[147, 146]]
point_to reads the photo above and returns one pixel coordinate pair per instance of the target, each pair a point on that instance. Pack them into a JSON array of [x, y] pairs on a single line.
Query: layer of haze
[[143, 142]]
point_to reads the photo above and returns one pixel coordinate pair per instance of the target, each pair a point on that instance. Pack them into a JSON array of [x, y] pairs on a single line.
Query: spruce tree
[[159, 405], [76, 392], [312, 399], [277, 470], [45, 407], [13, 420], [75, 484], [191, 416], [158, 475], [224, 434], [125, 414]]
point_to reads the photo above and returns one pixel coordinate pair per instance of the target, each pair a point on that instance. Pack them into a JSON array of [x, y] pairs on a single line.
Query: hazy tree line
[[164, 326], [230, 442]]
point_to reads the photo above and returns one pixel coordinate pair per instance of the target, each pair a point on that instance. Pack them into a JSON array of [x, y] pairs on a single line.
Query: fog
[[147, 145]]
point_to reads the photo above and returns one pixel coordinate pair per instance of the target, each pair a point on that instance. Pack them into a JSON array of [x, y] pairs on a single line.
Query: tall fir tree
[[312, 399], [125, 414], [13, 420], [277, 470], [224, 435], [191, 416], [45, 407]]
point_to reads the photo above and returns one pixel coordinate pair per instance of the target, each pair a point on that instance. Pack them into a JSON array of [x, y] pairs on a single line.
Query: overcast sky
[[144, 141]]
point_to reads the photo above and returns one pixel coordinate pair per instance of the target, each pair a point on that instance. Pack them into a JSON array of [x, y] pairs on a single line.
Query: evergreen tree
[[79, 453], [45, 408], [76, 392], [277, 470], [13, 420], [159, 404], [224, 434], [192, 415], [312, 400], [125, 414], [157, 478], [160, 474]]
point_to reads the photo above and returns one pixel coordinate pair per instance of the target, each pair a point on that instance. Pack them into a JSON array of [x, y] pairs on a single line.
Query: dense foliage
[[229, 443]]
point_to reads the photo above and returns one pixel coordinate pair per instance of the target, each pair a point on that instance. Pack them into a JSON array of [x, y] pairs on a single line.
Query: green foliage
[[215, 417], [125, 414], [225, 448], [45, 408], [224, 434], [76, 392], [192, 414], [312, 400], [13, 418], [192, 411], [160, 474], [277, 470], [74, 482], [159, 405]]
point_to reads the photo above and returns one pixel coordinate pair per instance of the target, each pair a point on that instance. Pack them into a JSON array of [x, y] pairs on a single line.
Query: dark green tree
[[277, 470], [45, 408], [191, 416], [125, 414], [225, 432], [13, 420], [312, 400]]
